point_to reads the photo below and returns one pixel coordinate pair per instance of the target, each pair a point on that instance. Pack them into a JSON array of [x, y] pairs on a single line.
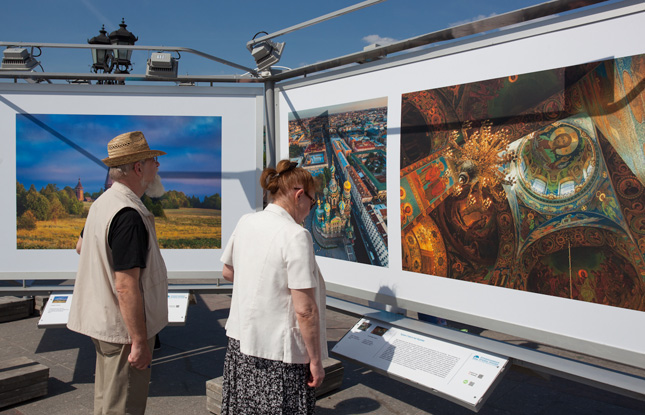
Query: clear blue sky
[[222, 27]]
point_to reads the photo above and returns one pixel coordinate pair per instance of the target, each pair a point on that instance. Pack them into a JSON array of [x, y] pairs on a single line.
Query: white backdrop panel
[[590, 328], [241, 133]]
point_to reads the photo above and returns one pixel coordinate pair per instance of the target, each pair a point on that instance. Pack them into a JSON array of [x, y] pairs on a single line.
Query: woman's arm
[[227, 272], [309, 321], [79, 245]]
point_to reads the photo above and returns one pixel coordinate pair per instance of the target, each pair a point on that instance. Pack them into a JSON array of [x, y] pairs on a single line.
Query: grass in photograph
[[184, 228]]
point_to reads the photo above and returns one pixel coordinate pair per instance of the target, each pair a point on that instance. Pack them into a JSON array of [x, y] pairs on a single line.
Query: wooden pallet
[[40, 301], [333, 380], [15, 308], [22, 379]]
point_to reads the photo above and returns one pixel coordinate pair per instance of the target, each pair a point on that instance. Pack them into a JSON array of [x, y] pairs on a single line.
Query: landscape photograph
[[59, 174]]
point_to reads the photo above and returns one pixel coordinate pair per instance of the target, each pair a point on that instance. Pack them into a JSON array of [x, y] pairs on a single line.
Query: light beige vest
[[95, 307]]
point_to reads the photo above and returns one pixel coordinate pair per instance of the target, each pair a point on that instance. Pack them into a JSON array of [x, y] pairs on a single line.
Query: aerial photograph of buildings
[[532, 182], [344, 148]]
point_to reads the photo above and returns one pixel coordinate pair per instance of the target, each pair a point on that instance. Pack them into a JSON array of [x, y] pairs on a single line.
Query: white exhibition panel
[[240, 110], [603, 331]]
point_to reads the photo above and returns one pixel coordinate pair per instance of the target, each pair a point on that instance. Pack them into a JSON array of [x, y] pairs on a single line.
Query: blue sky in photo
[[340, 108], [222, 28], [60, 149]]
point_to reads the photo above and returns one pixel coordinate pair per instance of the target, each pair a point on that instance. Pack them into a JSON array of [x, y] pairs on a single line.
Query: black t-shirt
[[128, 238]]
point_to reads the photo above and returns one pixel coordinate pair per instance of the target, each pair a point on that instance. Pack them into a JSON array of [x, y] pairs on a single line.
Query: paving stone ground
[[194, 353]]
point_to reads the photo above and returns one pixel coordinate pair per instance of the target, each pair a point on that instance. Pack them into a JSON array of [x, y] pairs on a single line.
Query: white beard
[[155, 188]]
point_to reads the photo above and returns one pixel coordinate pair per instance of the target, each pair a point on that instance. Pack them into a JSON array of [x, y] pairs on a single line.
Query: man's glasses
[[313, 201]]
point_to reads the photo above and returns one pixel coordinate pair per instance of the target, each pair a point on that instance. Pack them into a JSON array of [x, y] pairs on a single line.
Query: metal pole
[[312, 22], [541, 10], [269, 105], [130, 47]]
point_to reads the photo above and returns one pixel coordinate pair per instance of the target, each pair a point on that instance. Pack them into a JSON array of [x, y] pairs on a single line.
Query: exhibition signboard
[[518, 158], [58, 306], [463, 375]]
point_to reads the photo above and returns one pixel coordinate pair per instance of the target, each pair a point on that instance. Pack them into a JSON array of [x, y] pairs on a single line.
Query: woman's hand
[[317, 374], [304, 304]]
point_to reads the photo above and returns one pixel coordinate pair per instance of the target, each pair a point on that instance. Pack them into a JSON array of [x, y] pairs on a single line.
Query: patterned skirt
[[253, 385]]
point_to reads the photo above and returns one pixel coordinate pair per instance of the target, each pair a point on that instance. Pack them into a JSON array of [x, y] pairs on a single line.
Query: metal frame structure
[[252, 76]]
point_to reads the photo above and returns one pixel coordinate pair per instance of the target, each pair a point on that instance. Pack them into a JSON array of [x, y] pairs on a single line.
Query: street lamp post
[[101, 58], [122, 36]]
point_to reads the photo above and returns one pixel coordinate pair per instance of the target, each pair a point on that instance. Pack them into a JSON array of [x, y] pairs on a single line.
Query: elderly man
[[121, 291]]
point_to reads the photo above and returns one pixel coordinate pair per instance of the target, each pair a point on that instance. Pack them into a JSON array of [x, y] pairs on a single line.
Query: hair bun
[[285, 166]]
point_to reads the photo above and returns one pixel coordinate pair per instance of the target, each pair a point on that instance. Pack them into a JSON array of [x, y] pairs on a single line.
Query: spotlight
[[369, 48], [18, 59], [266, 54], [162, 64]]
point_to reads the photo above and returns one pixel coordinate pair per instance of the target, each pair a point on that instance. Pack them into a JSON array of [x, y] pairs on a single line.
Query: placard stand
[[56, 311], [460, 374]]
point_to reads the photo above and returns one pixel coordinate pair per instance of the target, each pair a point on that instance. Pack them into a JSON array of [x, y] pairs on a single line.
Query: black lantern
[[101, 58], [122, 56]]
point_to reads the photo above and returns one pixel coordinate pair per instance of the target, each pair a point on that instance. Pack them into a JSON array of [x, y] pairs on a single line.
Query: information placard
[[177, 307], [462, 374], [56, 311]]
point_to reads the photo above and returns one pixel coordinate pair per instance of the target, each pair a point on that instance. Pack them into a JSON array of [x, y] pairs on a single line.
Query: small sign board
[[460, 374], [177, 308], [56, 311]]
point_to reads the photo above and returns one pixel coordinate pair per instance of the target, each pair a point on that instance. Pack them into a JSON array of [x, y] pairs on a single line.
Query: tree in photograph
[[71, 193], [65, 200], [154, 206], [157, 210], [327, 173], [21, 194], [320, 182], [70, 203], [96, 195], [26, 221], [56, 208], [194, 202], [147, 202], [37, 203], [212, 202], [48, 190], [173, 199]]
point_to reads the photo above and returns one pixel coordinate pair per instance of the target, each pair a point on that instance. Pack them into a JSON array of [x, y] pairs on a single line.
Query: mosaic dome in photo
[[564, 215]]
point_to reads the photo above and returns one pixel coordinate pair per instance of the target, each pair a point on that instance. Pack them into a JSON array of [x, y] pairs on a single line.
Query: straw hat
[[128, 148]]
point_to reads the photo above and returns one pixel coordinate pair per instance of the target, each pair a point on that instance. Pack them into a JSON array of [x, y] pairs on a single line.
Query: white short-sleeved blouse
[[271, 254]]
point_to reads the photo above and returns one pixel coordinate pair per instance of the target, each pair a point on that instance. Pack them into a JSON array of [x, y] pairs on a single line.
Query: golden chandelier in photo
[[481, 163]]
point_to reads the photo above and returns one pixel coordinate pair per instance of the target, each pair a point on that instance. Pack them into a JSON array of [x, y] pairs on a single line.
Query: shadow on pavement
[[351, 406]]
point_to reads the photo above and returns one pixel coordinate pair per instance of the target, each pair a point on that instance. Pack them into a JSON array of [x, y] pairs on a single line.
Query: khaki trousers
[[119, 388]]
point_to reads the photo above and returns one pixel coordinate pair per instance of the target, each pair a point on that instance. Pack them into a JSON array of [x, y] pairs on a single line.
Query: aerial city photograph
[[344, 148]]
